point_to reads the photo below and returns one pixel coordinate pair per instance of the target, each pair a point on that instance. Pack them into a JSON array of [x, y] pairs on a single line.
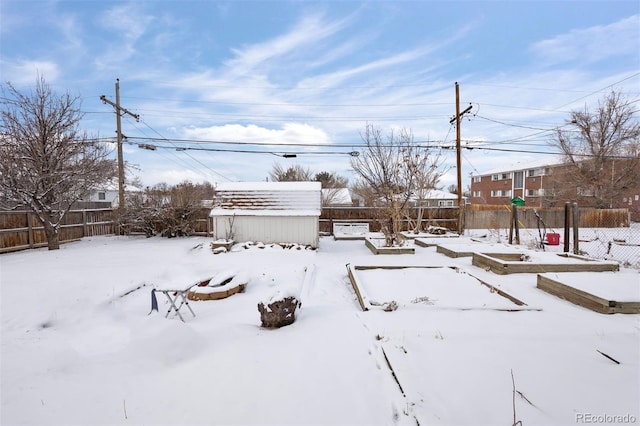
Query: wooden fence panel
[[497, 217], [21, 229], [435, 216]]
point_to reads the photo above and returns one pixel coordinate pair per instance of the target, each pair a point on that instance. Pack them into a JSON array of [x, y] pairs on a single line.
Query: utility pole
[[119, 111], [456, 119]]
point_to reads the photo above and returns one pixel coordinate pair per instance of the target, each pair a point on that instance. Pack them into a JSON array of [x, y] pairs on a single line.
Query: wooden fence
[[21, 229], [436, 216], [496, 217]]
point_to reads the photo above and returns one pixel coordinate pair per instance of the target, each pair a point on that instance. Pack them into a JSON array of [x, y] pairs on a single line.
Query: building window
[[102, 196], [501, 176], [477, 194], [477, 179], [535, 192], [531, 172], [584, 192], [501, 193], [445, 203], [518, 179]]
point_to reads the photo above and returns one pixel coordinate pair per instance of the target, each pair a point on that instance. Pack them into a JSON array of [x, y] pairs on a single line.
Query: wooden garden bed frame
[[365, 306], [586, 299], [388, 250], [511, 263]]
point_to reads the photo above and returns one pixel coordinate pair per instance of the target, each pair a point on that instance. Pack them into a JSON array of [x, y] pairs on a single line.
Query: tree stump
[[279, 313]]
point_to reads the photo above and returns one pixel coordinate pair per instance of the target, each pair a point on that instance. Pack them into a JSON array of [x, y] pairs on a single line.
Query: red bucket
[[553, 239]]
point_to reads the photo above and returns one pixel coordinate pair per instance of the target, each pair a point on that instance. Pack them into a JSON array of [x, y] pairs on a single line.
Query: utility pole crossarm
[[454, 119], [118, 108]]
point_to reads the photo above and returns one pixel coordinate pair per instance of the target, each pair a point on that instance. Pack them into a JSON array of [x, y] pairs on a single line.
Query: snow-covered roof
[[437, 194], [549, 161], [335, 196], [112, 185], [267, 199]]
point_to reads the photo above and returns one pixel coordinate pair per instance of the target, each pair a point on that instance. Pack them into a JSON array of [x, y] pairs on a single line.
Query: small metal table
[[175, 296]]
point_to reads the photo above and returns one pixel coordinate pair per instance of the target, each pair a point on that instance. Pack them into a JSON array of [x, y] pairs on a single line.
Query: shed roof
[[267, 199]]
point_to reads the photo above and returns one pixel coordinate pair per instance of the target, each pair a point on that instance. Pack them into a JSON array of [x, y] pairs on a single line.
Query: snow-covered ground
[[79, 348]]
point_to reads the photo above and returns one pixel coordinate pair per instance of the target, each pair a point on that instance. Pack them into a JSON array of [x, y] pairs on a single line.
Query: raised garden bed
[[376, 245], [428, 235], [536, 262], [606, 293], [350, 230], [436, 287], [222, 285], [226, 244], [467, 249]]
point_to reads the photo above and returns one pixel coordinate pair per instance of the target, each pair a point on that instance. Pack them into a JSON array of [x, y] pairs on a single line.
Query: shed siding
[[269, 229]]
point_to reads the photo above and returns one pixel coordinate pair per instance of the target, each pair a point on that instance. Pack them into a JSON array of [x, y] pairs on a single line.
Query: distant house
[[437, 198], [269, 212], [109, 193], [336, 197], [104, 195], [430, 198]]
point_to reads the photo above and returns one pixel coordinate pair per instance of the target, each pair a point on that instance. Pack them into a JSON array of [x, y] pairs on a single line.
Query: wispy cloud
[[310, 29], [25, 72], [591, 44], [69, 26], [335, 78], [126, 24]]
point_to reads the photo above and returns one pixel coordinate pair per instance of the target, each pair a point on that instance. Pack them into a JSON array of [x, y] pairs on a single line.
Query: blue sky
[[306, 77]]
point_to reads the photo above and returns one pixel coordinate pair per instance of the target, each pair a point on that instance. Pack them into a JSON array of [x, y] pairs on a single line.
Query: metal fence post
[[576, 226], [567, 220]]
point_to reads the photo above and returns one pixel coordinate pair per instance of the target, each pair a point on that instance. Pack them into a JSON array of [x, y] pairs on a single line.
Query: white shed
[[270, 212]]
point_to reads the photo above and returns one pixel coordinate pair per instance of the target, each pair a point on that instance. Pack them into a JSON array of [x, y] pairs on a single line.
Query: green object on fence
[[517, 201]]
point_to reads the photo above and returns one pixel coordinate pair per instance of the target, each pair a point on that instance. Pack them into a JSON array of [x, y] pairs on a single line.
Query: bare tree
[[47, 162], [425, 167], [363, 192], [393, 169], [602, 149], [332, 184], [331, 180], [171, 211], [295, 173]]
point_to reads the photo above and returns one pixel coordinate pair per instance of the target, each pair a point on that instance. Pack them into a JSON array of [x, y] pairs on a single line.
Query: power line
[[600, 90], [174, 158], [292, 104], [189, 155]]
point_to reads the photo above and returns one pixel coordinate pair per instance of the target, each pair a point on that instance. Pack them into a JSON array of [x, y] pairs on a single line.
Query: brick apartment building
[[542, 183]]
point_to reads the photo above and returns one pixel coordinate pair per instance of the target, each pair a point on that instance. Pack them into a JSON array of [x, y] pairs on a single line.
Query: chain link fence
[[605, 234], [620, 244]]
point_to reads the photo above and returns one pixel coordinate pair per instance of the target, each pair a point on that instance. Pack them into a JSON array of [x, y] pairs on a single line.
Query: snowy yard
[[79, 348]]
